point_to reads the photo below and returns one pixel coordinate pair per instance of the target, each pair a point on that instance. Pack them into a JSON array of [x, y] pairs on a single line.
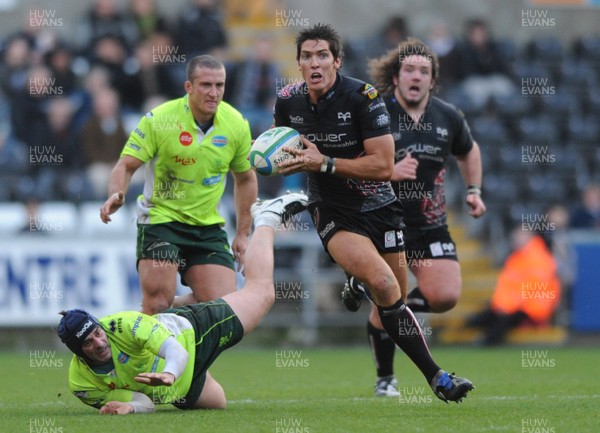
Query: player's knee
[[443, 303], [156, 304], [382, 285]]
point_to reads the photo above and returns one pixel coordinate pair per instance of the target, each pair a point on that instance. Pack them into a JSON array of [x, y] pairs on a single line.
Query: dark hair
[[324, 32], [203, 61], [385, 68]]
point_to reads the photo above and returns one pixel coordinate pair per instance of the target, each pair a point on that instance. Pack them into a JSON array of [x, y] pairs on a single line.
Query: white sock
[[268, 219]]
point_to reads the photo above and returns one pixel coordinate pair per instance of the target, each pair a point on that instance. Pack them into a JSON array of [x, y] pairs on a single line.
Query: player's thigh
[[210, 281], [252, 302], [212, 395], [158, 277], [438, 279]]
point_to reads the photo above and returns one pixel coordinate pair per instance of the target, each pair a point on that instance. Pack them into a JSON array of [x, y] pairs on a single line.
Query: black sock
[[417, 302], [383, 348], [402, 326]]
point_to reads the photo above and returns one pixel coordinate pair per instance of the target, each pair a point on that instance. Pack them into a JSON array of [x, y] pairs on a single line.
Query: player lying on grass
[[128, 362]]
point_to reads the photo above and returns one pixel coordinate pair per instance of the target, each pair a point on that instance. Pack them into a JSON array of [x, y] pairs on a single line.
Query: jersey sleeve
[[99, 397], [240, 162], [373, 115], [141, 143], [463, 141]]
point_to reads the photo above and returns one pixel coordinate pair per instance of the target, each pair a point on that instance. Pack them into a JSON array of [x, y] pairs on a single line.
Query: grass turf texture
[[330, 390]]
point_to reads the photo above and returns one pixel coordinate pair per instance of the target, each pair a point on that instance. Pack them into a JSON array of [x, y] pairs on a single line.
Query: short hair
[[324, 32], [383, 69], [203, 61]]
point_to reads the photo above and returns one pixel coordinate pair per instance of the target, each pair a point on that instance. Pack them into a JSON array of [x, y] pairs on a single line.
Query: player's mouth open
[[414, 90], [315, 77]]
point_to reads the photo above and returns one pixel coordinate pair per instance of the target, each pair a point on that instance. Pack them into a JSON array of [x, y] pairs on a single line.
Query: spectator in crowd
[[200, 30], [30, 126], [147, 18], [64, 141], [13, 155], [59, 60], [528, 289], [156, 73], [14, 67], [358, 51], [587, 214], [105, 19], [111, 53], [445, 45], [255, 79], [102, 139], [484, 70]]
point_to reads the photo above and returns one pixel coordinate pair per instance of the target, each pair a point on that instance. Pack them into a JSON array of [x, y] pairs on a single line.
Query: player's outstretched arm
[[118, 183]]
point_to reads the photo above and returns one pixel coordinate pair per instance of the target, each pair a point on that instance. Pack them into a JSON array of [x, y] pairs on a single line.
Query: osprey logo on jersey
[[400, 236], [185, 138], [219, 141], [344, 116], [441, 249], [298, 120], [443, 132]]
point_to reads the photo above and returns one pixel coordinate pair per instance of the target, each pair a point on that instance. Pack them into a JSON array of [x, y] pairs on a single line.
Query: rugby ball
[[266, 151]]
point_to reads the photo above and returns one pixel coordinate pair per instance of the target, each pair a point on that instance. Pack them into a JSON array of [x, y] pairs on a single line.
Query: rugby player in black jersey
[[349, 161], [427, 132]]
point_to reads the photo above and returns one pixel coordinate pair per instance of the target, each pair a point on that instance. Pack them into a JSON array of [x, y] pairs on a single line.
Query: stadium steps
[[479, 279]]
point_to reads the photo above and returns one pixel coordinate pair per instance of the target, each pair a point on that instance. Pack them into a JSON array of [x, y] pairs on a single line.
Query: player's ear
[[187, 85]]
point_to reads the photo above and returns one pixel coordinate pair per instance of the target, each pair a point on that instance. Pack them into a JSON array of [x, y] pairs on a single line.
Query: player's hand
[[476, 204], [239, 247], [111, 205], [155, 379], [116, 408], [307, 159], [405, 169]]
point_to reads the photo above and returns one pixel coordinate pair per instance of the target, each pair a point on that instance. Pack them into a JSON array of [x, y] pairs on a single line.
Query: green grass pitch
[[548, 390]]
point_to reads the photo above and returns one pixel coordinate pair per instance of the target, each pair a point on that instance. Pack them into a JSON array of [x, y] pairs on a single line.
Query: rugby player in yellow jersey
[[188, 145], [129, 362]]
